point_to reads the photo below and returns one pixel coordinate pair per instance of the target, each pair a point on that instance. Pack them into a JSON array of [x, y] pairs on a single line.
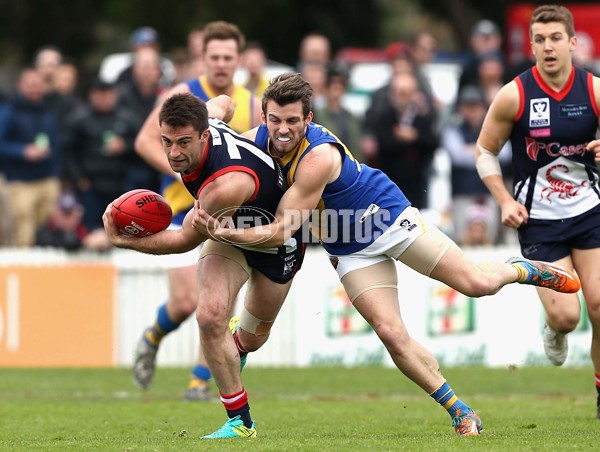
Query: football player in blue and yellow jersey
[[365, 225]]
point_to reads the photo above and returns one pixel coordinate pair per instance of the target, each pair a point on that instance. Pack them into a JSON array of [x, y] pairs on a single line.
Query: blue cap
[[143, 36]]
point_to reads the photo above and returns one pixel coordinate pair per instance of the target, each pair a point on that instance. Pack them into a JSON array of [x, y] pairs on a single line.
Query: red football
[[141, 212]]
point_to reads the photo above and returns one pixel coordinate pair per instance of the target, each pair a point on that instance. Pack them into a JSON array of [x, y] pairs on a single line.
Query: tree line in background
[[87, 30]]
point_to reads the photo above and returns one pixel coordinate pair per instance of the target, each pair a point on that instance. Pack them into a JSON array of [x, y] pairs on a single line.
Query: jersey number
[[234, 143]]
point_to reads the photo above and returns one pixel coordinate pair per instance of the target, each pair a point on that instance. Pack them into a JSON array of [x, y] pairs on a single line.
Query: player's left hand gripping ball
[[141, 212]]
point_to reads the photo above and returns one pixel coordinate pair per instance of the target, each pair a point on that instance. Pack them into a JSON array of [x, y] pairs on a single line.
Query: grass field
[[319, 409]]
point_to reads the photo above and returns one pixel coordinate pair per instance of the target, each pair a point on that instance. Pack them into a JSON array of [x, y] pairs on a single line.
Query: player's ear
[[309, 117]]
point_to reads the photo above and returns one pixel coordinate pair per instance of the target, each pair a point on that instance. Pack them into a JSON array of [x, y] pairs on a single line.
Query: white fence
[[317, 325]]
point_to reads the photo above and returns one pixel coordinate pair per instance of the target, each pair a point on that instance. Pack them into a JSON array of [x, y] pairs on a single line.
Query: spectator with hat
[[64, 229], [99, 139], [117, 66], [486, 39]]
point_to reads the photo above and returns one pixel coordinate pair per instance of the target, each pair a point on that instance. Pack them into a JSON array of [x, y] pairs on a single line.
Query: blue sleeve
[[9, 149]]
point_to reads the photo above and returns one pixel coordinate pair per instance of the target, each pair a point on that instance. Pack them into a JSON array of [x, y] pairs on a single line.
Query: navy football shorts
[[551, 240], [279, 267]]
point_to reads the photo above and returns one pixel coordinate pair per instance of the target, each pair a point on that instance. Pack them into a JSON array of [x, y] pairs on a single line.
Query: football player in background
[[550, 115]]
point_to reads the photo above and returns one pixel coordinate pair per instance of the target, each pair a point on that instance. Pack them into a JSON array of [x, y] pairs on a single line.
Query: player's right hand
[[594, 146], [514, 214], [112, 232]]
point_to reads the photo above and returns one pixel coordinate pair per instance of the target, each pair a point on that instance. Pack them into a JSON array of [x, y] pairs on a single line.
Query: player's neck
[[557, 80], [277, 155], [228, 90]]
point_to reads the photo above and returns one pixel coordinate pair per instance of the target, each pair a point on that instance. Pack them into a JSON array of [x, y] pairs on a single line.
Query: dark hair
[[337, 73], [182, 110], [222, 30], [553, 13], [254, 45], [288, 88]]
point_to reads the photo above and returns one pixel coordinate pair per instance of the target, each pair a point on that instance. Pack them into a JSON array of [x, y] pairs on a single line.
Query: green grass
[[318, 409]]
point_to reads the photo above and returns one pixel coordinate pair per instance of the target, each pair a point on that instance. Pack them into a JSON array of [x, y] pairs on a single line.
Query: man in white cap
[[116, 66]]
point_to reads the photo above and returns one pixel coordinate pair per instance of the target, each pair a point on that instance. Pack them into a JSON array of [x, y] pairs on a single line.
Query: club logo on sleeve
[[539, 112]]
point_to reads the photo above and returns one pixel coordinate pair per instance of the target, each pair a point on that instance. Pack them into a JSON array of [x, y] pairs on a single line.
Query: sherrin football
[[141, 212]]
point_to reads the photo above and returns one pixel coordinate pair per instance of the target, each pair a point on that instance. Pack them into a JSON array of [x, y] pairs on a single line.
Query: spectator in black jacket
[[99, 139], [403, 129]]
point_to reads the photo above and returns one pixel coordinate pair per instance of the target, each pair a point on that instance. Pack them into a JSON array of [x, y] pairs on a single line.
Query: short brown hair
[[221, 30], [182, 110], [288, 88], [553, 13]]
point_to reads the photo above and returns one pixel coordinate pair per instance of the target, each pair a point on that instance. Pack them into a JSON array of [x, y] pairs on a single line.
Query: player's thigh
[[381, 309], [434, 254], [586, 263], [264, 297], [219, 279]]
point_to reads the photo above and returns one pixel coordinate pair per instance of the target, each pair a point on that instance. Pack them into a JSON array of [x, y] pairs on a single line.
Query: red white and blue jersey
[[555, 177], [226, 152], [358, 206]]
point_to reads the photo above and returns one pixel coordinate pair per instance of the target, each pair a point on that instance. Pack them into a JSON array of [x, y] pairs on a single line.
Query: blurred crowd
[[64, 156]]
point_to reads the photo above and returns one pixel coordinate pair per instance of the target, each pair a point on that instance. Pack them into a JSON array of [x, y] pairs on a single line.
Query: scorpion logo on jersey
[[565, 189]]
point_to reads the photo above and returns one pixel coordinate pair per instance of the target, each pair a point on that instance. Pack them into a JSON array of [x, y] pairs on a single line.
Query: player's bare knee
[[210, 319], [395, 339], [564, 322]]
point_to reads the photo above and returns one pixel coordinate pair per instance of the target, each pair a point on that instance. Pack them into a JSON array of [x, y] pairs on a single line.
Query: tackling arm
[[316, 170]]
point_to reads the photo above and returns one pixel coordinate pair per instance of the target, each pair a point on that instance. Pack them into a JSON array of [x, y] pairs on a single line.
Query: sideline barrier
[[90, 310], [58, 315]]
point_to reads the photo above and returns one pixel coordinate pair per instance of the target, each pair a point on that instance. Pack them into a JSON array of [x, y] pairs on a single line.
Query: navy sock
[[237, 405]]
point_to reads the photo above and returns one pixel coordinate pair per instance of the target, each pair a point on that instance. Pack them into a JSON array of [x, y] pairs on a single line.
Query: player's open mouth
[[283, 139]]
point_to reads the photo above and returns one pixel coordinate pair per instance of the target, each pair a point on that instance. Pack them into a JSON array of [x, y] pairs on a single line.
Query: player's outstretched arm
[[164, 242]]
